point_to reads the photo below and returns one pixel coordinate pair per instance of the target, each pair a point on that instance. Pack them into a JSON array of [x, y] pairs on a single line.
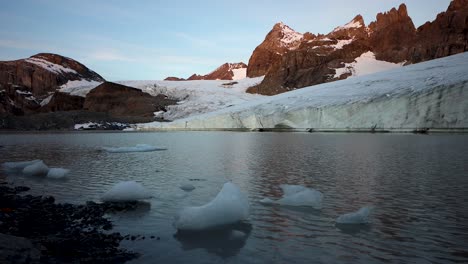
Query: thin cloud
[[195, 40], [27, 45], [107, 55]]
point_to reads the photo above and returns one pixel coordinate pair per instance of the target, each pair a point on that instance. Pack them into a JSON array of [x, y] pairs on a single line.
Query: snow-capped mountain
[[28, 84], [278, 41], [355, 49], [227, 71]]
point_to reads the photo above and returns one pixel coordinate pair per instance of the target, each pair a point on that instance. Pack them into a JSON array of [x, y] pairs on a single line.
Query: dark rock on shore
[[15, 249], [43, 231]]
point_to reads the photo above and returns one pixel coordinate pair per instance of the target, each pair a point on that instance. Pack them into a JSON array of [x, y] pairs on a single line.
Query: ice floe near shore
[[126, 191], [17, 165], [228, 207], [297, 195], [57, 173], [359, 217], [137, 148], [35, 168]]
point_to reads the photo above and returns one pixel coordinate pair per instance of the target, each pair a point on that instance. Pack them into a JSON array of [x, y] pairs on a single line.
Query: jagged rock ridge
[[390, 40], [227, 71]]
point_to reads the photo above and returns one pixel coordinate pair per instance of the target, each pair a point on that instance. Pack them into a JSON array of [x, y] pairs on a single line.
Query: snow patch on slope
[[366, 64], [79, 87], [55, 68], [290, 37], [239, 73], [351, 24], [341, 43]]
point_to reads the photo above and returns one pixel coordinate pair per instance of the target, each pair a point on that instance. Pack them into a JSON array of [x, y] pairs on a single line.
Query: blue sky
[[153, 39]]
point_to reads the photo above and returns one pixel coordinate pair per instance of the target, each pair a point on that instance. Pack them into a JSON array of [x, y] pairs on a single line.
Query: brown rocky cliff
[[223, 72], [63, 102], [278, 41], [314, 60], [172, 78], [392, 38], [445, 36], [392, 35], [124, 101]]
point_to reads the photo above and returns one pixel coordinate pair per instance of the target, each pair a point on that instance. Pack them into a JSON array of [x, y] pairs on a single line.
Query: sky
[[153, 39]]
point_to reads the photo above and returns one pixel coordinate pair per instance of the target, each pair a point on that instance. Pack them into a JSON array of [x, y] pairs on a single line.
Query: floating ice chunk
[[237, 235], [187, 187], [18, 165], [267, 201], [228, 207], [125, 192], [57, 173], [137, 148], [359, 217], [36, 169], [297, 195]]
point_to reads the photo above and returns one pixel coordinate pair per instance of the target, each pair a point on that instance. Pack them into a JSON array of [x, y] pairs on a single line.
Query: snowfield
[[433, 94], [198, 97], [365, 64]]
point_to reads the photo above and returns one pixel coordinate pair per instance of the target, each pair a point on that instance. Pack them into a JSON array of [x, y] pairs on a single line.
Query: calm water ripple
[[418, 185]]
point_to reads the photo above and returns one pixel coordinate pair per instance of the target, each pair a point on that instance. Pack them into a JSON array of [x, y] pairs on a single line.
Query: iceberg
[[57, 173], [126, 191], [137, 148], [228, 207], [36, 169], [18, 165], [187, 187], [359, 217], [297, 195]]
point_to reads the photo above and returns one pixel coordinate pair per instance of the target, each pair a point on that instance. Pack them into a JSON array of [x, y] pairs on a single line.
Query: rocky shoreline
[[35, 229]]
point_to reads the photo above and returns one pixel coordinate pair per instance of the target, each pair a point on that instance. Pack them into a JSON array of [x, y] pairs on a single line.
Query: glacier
[[430, 95]]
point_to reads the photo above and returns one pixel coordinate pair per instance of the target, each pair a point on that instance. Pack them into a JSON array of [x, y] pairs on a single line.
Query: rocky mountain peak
[[354, 29], [391, 38], [278, 41], [356, 22], [227, 71], [61, 65], [284, 36], [394, 16], [457, 5]]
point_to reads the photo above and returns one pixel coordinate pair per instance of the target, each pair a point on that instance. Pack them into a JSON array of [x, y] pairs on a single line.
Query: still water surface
[[417, 183]]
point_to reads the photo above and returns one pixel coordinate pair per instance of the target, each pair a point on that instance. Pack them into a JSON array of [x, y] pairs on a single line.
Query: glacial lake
[[418, 185]]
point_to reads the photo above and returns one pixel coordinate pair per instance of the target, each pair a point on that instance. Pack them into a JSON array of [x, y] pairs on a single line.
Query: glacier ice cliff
[[429, 95]]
